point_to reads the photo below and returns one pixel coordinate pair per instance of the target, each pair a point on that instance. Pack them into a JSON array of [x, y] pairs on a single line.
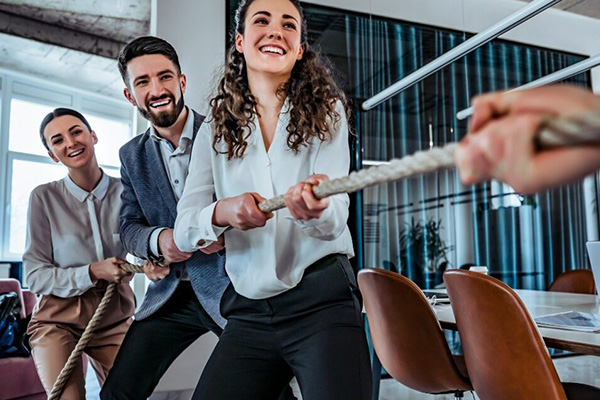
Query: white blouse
[[267, 261], [67, 230]]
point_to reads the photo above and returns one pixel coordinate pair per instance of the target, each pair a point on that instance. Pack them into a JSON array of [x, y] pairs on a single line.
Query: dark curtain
[[525, 241]]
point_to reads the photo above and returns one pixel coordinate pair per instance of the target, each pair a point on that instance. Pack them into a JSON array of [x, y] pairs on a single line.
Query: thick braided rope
[[65, 373], [415, 164], [136, 269], [555, 132]]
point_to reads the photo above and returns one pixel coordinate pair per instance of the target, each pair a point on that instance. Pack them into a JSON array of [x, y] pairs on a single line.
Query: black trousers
[[313, 331], [151, 345]]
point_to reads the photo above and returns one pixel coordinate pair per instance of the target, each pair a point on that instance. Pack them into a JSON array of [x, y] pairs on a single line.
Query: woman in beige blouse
[[73, 251]]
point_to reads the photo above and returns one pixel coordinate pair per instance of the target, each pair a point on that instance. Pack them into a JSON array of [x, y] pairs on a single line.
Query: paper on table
[[436, 298], [570, 320]]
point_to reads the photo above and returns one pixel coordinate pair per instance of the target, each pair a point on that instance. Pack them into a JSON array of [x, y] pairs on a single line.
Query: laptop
[[593, 249]]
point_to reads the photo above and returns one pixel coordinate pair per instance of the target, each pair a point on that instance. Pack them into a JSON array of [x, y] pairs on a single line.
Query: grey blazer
[[149, 203]]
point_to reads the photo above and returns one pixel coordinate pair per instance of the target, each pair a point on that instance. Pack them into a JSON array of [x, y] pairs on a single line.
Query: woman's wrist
[[92, 271], [219, 217]]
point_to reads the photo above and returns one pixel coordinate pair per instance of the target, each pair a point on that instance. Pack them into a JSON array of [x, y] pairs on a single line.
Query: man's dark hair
[[142, 46], [59, 112]]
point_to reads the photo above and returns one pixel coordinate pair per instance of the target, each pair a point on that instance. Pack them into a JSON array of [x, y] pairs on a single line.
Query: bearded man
[[182, 301]]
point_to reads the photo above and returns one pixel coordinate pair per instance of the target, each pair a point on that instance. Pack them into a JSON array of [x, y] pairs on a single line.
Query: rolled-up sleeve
[[196, 206], [42, 275]]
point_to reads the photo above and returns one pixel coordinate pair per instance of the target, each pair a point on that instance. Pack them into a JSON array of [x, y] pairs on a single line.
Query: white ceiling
[[589, 8], [59, 64], [74, 42], [138, 10]]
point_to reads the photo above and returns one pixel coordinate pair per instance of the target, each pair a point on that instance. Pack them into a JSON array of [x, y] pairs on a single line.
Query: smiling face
[[156, 89], [70, 141], [271, 41]]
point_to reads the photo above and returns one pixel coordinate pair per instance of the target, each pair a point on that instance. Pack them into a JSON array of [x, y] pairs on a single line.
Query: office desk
[[542, 303]]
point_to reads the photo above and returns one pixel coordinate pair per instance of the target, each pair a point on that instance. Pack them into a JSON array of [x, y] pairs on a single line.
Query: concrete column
[[590, 196], [197, 31]]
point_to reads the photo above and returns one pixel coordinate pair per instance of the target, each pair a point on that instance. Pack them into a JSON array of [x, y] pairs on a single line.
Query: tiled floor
[[582, 369]]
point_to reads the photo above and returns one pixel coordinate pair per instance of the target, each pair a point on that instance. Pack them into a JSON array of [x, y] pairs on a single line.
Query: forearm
[[47, 279], [135, 237]]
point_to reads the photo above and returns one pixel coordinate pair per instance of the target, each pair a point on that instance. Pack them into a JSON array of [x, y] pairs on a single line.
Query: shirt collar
[[99, 191], [187, 133]]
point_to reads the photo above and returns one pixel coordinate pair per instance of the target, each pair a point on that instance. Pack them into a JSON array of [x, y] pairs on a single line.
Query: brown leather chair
[[575, 281], [407, 336], [504, 352]]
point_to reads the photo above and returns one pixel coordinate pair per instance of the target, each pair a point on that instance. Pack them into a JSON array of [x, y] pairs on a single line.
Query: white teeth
[[160, 104], [269, 49], [76, 153]]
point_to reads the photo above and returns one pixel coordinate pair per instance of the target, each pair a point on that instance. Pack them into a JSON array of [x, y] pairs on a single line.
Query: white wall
[[197, 31]]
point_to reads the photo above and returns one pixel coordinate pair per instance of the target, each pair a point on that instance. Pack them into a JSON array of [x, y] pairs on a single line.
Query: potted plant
[[422, 250]]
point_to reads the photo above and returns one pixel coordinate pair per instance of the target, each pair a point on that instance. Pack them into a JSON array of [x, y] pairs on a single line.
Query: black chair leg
[[376, 364]]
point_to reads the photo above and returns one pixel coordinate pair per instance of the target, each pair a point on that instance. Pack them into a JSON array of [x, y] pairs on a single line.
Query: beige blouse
[[67, 230]]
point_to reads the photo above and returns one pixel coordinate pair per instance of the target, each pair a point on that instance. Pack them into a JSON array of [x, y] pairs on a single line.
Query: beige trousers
[[58, 323]]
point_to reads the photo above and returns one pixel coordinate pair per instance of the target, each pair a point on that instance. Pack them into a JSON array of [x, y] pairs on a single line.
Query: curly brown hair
[[311, 90]]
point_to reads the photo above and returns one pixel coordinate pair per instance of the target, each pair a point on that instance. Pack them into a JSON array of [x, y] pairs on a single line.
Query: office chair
[[504, 352], [407, 336], [575, 281]]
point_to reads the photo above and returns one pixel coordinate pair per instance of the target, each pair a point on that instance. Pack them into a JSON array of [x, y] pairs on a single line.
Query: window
[[112, 134], [24, 159], [26, 175], [24, 123]]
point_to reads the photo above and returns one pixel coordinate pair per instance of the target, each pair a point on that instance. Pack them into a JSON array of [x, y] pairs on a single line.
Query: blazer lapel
[[198, 119], [160, 178]]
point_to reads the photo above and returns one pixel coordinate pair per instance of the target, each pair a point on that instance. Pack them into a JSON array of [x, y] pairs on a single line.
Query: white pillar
[[590, 197], [595, 72], [197, 31]]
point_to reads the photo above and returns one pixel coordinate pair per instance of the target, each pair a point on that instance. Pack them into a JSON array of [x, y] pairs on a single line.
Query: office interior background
[[417, 227]]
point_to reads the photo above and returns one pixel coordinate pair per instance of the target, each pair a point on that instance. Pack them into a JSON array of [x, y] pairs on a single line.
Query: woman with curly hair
[[292, 308]]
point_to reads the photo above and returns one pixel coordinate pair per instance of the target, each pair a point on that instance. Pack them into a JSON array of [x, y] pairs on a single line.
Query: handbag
[[12, 327]]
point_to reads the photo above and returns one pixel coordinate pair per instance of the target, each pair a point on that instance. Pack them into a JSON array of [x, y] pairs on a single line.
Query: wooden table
[[542, 303]]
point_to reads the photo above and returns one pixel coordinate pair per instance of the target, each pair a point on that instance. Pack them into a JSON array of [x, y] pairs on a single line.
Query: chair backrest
[[505, 354], [406, 333], [575, 281]]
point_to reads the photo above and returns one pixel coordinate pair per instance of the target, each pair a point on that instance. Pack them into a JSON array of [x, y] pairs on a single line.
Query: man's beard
[[164, 119]]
